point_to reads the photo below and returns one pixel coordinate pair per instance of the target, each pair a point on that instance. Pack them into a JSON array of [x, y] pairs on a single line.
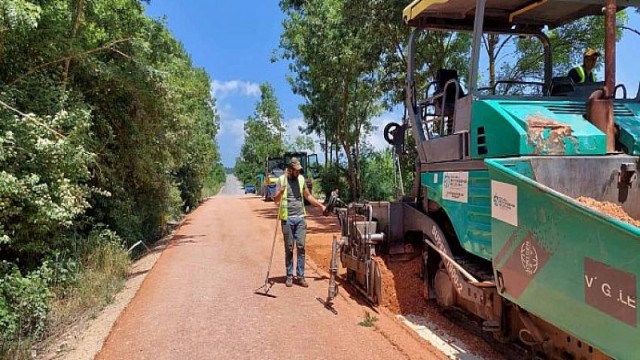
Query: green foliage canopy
[[348, 61], [264, 136], [104, 123]]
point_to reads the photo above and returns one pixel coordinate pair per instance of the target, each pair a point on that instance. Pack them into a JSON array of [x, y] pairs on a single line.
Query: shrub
[[42, 187], [24, 301], [332, 177], [102, 270]]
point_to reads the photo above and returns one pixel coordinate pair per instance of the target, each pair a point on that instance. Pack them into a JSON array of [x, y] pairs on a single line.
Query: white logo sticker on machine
[[455, 186], [504, 202]]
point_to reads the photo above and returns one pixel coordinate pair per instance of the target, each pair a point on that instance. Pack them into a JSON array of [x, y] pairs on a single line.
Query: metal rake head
[[267, 287]]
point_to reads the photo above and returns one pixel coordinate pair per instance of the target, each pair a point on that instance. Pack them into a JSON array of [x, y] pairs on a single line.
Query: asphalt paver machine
[[274, 168], [498, 180]]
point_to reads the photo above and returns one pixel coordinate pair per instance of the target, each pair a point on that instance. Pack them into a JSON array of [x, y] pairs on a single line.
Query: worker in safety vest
[[291, 191], [583, 74]]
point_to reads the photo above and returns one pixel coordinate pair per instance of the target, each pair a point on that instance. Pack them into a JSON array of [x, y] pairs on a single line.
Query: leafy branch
[[31, 118], [106, 47]]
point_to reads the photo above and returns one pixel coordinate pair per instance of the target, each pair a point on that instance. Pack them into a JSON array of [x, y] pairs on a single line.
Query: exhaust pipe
[[600, 114]]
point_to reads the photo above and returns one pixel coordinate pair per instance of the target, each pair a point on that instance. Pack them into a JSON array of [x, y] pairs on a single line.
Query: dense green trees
[[104, 123], [348, 60], [522, 58], [264, 136]]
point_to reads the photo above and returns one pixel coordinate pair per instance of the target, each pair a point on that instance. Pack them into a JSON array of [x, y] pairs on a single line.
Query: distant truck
[[310, 168], [275, 167]]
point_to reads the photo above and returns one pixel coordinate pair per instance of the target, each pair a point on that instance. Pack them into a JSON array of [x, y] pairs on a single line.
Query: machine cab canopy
[[500, 15]]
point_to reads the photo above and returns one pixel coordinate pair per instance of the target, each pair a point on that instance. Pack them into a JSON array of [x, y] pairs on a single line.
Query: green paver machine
[[309, 162], [498, 176], [275, 167]]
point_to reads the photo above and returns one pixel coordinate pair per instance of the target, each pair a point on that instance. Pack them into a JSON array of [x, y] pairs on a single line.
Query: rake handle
[[273, 244]]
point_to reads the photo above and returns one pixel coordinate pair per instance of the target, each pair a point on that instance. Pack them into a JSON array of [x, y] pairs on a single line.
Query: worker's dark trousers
[[294, 230]]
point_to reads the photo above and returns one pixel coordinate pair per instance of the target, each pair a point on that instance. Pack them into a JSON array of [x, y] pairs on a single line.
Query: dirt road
[[231, 187], [198, 301]]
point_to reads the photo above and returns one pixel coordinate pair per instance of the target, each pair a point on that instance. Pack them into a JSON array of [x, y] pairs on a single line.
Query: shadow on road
[[137, 273], [181, 240]]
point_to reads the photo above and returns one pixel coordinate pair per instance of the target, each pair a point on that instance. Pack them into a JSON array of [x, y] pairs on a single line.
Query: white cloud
[[232, 128], [220, 89], [224, 110], [293, 127]]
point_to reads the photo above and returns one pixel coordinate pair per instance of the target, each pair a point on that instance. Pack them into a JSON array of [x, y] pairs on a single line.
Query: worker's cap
[[591, 52], [295, 164]]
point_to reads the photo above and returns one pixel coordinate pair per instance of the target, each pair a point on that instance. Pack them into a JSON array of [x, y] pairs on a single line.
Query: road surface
[[198, 301], [232, 187]]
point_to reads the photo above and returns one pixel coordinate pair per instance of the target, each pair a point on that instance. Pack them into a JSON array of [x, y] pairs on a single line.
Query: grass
[[101, 277], [17, 350], [369, 320], [211, 189], [213, 183]]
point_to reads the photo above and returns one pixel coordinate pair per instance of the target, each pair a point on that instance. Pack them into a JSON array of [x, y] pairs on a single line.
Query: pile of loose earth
[[401, 285], [610, 209]]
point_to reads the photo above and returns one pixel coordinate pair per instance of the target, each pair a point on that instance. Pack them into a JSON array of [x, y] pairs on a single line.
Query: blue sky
[[234, 42]]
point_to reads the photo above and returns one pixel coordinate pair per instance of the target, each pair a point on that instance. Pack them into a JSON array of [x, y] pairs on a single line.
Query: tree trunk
[[327, 161], [491, 48], [336, 144], [1, 48], [3, 30], [356, 160], [344, 131], [74, 32]]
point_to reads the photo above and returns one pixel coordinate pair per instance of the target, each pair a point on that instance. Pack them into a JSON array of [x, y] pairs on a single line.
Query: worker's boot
[[289, 281], [302, 282]]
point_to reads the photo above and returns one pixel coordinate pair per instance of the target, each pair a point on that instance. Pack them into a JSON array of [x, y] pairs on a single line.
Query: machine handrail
[[513, 82]]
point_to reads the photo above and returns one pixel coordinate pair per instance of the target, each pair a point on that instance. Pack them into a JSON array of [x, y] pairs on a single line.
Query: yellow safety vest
[[582, 75], [284, 214]]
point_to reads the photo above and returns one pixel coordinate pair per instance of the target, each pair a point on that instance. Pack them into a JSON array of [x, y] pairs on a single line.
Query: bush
[[116, 142], [214, 181], [103, 265], [24, 301], [378, 178], [65, 287], [332, 177], [42, 188]]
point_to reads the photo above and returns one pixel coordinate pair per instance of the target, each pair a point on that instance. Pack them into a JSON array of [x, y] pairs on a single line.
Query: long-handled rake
[[267, 283]]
